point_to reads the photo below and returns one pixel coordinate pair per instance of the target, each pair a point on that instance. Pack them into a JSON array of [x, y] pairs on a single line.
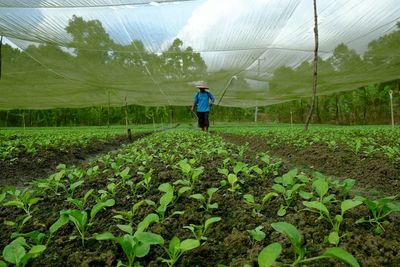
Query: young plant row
[[167, 197], [363, 142]]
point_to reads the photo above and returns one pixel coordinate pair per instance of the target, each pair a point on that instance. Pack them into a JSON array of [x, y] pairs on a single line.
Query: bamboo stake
[[315, 68], [391, 106], [1, 59], [126, 114], [108, 111]]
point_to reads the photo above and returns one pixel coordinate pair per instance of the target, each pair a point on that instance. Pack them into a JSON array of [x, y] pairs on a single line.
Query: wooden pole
[[315, 68], [391, 106], [126, 114], [291, 119], [1, 59], [108, 110]]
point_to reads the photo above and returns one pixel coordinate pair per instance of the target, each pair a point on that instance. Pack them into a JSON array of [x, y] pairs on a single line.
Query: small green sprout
[[206, 204], [199, 231], [176, 248], [380, 210]]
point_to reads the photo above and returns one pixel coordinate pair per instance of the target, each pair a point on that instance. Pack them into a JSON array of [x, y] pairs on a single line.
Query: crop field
[[238, 196]]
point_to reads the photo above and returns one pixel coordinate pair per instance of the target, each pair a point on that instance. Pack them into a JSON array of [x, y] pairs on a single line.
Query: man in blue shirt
[[201, 99]]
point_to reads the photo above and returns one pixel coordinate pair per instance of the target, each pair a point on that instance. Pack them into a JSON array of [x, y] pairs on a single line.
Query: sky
[[241, 35]]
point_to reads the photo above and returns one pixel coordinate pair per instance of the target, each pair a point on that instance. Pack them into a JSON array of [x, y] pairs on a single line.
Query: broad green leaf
[[281, 211], [2, 196], [269, 254], [76, 184], [125, 172], [248, 198], [198, 197], [289, 231], [141, 249], [288, 178], [126, 228], [101, 205], [16, 203], [150, 238], [321, 186], [211, 221], [279, 188], [183, 190], [62, 220], [104, 236], [144, 224], [88, 193], [14, 253], [174, 245], [342, 255], [2, 264], [306, 195], [210, 191], [393, 207], [268, 196], [317, 206], [189, 244], [37, 249], [257, 234], [349, 204], [232, 178]]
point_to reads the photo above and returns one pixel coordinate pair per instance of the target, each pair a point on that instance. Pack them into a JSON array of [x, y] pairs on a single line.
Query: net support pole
[[315, 68], [255, 115], [108, 110], [291, 119], [391, 107], [126, 114], [1, 46]]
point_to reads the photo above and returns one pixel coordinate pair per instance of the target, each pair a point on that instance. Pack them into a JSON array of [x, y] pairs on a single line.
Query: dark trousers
[[203, 119]]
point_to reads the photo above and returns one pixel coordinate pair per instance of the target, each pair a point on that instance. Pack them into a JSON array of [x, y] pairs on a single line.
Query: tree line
[[94, 59]]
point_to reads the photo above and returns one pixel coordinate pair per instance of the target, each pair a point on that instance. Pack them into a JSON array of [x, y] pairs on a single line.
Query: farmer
[[201, 99]]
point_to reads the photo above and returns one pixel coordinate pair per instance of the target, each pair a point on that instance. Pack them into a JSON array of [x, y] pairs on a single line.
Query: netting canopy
[[79, 53]]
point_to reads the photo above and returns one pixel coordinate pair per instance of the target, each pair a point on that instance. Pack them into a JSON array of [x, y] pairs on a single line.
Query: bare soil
[[375, 175], [28, 167]]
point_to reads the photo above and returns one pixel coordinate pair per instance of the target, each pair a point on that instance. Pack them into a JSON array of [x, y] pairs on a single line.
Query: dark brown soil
[[28, 167], [375, 175], [228, 241]]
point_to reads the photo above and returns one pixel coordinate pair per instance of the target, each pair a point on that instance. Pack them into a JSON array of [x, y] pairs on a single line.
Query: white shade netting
[[254, 53]]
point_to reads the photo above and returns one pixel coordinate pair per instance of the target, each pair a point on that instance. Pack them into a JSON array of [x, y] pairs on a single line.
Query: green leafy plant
[[345, 205], [146, 179], [206, 204], [80, 203], [190, 173], [135, 244], [380, 210], [22, 200], [288, 186], [130, 215], [270, 254], [257, 207], [321, 187], [269, 167], [256, 233], [80, 218], [176, 248], [199, 231], [15, 252]]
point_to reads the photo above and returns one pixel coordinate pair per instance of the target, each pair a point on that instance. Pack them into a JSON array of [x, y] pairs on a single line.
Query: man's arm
[[211, 97], [194, 102]]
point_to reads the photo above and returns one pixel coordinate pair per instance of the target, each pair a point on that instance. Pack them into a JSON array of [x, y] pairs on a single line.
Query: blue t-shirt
[[201, 100]]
